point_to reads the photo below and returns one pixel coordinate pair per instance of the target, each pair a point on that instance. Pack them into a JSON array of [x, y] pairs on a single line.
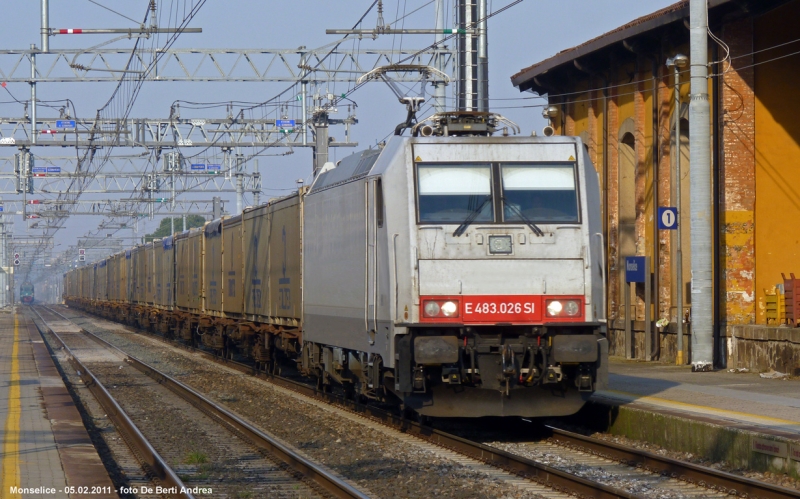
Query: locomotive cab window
[[539, 193], [449, 193], [452, 193]]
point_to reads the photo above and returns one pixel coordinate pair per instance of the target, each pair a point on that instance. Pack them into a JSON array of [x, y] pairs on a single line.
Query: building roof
[[638, 26]]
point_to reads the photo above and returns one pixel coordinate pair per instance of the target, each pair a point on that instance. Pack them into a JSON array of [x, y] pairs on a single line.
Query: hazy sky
[[526, 33]]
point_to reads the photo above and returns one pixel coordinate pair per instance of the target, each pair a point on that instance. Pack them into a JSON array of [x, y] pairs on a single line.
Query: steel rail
[[737, 486], [153, 463], [322, 477]]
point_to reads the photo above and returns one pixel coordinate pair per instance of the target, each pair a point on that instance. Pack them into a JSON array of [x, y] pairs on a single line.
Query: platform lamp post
[[676, 63]]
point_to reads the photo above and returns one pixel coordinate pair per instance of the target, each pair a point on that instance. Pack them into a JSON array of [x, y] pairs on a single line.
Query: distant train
[[26, 293], [451, 275]]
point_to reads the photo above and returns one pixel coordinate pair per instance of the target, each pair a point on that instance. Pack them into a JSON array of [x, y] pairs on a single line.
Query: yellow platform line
[[633, 397], [11, 476]]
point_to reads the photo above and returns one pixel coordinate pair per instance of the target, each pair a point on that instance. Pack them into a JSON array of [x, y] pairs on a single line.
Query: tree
[[163, 229]]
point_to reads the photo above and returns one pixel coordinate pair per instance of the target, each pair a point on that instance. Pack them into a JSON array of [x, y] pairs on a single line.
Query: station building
[[617, 93]]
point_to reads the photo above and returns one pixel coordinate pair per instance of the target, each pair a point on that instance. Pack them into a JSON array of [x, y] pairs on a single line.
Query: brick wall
[[737, 165]]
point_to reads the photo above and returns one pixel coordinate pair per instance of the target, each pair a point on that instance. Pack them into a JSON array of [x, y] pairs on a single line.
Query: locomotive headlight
[[449, 309], [554, 308], [431, 309], [500, 245], [572, 308]]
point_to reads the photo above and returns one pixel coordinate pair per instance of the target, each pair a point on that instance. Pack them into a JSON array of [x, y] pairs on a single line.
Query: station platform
[[744, 398], [739, 417], [46, 448]]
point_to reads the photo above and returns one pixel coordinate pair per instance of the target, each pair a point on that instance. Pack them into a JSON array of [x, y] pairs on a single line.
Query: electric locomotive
[[461, 275], [26, 293]]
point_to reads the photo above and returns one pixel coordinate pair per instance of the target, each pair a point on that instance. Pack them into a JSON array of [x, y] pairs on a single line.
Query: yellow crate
[[775, 306]]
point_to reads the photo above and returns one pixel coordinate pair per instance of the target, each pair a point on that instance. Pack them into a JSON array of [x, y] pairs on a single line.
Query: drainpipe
[[722, 356]]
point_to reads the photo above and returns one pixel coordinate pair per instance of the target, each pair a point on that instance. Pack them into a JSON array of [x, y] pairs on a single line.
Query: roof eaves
[[670, 14], [643, 24]]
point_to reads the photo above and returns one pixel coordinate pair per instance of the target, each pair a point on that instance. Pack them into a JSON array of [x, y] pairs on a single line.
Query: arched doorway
[[627, 208]]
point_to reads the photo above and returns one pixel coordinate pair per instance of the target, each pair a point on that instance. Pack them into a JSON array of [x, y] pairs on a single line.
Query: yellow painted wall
[[777, 146]]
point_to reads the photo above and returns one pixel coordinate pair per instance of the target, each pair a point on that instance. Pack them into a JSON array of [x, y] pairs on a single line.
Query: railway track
[[566, 462], [166, 418]]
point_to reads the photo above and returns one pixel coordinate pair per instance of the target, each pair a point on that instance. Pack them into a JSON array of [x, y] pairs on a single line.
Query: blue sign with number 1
[[667, 218]]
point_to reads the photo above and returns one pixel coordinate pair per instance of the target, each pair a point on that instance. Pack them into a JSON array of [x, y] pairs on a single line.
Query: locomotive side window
[[379, 202], [451, 192], [539, 193]]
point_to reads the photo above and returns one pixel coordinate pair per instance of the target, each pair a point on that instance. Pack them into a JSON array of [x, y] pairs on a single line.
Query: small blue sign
[[65, 123], [198, 166], [1, 208], [53, 169], [284, 123], [38, 169], [635, 269], [667, 218], [215, 167]]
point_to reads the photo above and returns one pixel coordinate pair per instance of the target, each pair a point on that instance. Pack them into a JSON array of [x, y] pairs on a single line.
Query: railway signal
[[16, 258]]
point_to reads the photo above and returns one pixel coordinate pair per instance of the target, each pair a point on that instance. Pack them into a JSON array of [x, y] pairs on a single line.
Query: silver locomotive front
[[477, 275]]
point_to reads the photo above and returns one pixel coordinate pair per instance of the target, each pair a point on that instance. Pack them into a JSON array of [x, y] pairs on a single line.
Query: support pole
[[676, 64], [304, 99], [3, 278], [256, 184], [700, 175], [648, 320], [172, 203], [33, 95], [45, 25], [239, 194], [483, 58], [468, 76], [629, 318], [439, 87], [239, 185], [321, 144]]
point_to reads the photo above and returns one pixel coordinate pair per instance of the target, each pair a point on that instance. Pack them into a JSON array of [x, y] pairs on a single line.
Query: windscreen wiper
[[471, 218], [535, 228]]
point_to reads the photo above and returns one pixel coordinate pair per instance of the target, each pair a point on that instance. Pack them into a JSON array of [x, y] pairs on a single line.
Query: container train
[[455, 276], [26, 293]]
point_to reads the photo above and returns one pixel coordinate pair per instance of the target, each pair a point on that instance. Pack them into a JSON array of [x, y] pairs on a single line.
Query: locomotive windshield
[[522, 193], [539, 192], [449, 193]]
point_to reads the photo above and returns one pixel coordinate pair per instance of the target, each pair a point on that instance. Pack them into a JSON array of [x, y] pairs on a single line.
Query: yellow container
[[775, 306]]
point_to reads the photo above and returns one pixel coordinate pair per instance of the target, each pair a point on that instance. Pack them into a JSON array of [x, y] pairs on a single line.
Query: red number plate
[[491, 308]]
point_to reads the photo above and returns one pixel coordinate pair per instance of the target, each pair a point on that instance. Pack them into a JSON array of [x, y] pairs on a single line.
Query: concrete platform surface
[[744, 399], [46, 450]]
